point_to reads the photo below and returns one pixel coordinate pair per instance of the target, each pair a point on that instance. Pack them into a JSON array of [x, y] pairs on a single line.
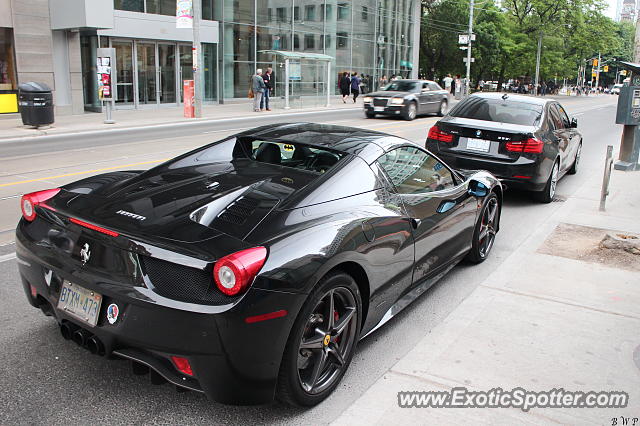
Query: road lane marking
[[81, 173], [7, 257]]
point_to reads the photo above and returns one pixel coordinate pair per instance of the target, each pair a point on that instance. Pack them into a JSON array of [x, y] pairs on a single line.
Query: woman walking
[[345, 83], [355, 86]]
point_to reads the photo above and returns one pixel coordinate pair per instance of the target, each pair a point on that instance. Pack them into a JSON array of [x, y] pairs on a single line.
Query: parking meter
[[628, 114]]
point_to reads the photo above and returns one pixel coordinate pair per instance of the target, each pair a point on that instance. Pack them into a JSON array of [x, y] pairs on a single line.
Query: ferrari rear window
[[288, 154], [499, 110]]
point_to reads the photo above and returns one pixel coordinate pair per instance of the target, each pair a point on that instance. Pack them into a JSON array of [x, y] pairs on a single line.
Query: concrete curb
[[150, 129]]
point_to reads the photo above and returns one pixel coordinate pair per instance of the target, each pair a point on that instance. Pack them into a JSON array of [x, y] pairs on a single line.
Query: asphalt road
[[47, 380]]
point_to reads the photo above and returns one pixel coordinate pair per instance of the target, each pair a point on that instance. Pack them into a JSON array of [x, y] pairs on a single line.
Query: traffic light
[[595, 62], [606, 68]]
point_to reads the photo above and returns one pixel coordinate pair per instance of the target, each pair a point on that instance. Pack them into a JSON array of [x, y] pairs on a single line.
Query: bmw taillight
[[28, 202], [437, 134], [235, 272], [530, 145]]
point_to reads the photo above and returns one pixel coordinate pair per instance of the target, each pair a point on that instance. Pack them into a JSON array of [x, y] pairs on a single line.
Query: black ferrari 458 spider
[[249, 268]]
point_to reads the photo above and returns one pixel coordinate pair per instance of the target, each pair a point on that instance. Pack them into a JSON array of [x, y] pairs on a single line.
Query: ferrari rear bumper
[[234, 354]]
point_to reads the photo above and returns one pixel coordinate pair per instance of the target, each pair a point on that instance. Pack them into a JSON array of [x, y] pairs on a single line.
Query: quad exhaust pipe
[[82, 337]]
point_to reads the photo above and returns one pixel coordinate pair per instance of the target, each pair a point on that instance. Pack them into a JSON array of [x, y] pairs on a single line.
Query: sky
[[611, 11]]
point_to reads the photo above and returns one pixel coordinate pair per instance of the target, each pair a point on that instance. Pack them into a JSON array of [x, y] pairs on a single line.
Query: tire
[[546, 195], [370, 114], [410, 112], [309, 375], [444, 106], [484, 233], [574, 167]]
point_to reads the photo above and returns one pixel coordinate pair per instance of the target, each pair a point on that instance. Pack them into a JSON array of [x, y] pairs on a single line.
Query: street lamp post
[[468, 82], [537, 80], [198, 62]]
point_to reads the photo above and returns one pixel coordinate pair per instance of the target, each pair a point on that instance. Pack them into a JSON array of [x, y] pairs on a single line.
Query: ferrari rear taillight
[[530, 145], [437, 134], [182, 364], [235, 272], [28, 202]]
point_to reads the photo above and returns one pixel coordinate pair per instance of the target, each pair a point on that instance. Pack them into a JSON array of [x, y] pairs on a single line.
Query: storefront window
[[7, 62]]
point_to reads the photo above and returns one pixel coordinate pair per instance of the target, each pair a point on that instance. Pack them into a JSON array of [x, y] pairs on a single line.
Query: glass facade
[[371, 37]]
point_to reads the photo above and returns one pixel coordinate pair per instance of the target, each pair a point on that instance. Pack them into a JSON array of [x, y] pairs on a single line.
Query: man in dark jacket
[[268, 83]]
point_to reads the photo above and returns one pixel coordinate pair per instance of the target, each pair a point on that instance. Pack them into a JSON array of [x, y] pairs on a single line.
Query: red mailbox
[[188, 87]]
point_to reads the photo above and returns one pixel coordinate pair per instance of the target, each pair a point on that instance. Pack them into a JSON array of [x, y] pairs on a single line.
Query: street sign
[[184, 14], [464, 38], [472, 60]]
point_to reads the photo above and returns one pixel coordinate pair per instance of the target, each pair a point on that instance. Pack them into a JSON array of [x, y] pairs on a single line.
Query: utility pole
[[537, 80], [598, 71], [198, 68], [468, 83]]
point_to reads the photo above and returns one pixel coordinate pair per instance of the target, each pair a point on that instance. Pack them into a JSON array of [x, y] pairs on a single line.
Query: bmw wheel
[[574, 168], [549, 191], [484, 234], [322, 342]]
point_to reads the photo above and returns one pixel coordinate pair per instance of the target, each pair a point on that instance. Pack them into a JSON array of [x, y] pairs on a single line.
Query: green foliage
[[506, 38]]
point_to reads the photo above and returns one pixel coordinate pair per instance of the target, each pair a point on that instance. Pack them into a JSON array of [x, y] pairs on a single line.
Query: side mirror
[[574, 122], [478, 189]]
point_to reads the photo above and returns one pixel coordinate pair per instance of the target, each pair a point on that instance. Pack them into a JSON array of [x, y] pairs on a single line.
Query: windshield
[[401, 86], [499, 110]]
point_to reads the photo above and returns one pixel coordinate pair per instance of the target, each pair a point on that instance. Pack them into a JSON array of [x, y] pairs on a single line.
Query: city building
[[629, 11], [56, 42]]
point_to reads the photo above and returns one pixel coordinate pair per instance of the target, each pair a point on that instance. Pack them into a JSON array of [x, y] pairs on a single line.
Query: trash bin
[[35, 104]]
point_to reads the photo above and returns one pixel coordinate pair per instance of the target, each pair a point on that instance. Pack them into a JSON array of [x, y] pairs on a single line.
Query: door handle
[[446, 205], [415, 222]]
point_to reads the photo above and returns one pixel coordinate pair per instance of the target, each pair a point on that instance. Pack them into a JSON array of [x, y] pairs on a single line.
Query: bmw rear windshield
[[498, 110]]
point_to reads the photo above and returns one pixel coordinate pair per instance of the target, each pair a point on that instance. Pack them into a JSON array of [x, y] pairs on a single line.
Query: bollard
[[608, 162]]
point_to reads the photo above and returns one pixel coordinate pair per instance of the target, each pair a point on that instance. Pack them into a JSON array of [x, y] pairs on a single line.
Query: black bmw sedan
[[249, 268], [527, 142], [407, 99]]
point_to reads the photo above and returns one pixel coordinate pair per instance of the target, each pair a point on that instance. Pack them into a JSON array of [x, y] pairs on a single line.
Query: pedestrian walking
[[345, 84], [257, 88], [355, 86], [268, 87], [481, 85], [383, 81], [447, 83], [458, 87]]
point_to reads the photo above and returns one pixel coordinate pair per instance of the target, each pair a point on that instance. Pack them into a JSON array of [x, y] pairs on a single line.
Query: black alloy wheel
[[322, 342], [484, 234]]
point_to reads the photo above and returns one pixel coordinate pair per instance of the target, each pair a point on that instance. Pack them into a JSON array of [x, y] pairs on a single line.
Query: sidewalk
[[11, 126], [540, 321]]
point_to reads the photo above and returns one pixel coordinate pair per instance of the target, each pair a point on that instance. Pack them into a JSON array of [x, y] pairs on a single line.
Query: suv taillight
[[235, 272], [436, 134], [28, 202], [530, 145]]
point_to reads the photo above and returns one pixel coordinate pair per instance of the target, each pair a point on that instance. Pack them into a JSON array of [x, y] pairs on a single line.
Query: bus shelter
[[306, 76]]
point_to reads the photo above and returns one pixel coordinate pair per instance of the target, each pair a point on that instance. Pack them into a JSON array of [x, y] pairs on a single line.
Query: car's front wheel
[[370, 114], [484, 234], [444, 107], [410, 111], [574, 168], [322, 342]]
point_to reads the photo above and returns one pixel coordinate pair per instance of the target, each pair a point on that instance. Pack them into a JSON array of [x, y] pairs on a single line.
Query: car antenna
[[505, 96]]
